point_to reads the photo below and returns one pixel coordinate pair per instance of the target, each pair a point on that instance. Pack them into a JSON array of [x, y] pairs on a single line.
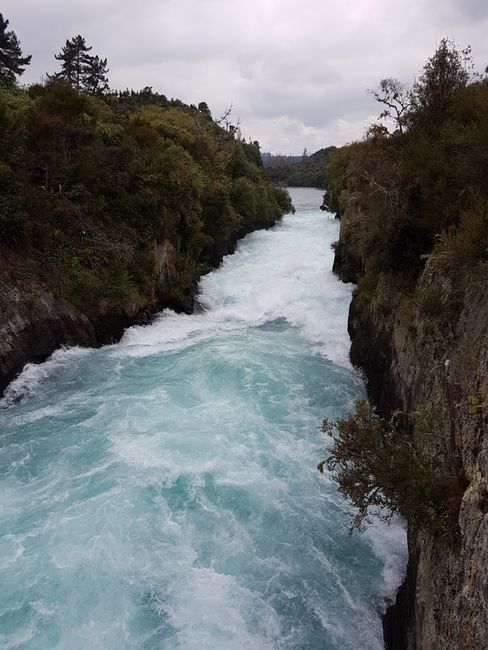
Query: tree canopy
[[80, 69], [12, 63], [89, 184]]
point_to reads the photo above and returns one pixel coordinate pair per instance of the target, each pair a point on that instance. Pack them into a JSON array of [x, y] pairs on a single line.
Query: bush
[[431, 302], [382, 470], [466, 245]]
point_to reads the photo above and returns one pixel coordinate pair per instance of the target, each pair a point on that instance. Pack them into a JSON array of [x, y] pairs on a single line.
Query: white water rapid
[[162, 493]]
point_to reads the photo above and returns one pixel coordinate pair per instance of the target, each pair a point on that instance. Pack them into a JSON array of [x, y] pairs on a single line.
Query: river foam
[[162, 492]]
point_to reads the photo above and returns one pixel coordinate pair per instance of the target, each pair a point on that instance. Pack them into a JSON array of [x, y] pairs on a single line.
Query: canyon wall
[[426, 351]]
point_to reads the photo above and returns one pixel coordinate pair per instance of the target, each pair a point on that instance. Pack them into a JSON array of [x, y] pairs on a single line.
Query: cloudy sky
[[295, 71]]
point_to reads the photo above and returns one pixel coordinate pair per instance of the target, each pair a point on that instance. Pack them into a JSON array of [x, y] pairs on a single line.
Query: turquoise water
[[162, 492]]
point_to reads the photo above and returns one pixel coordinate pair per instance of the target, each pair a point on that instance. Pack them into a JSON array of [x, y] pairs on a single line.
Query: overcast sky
[[295, 71]]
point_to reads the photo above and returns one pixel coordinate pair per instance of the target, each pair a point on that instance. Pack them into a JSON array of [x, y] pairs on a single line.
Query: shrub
[[466, 245], [381, 468], [431, 302]]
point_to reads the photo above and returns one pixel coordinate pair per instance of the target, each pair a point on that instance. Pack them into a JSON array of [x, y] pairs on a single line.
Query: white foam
[[282, 273], [389, 543], [27, 382], [227, 608]]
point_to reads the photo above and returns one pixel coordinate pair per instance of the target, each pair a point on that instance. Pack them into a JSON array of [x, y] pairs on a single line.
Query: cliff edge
[[426, 350]]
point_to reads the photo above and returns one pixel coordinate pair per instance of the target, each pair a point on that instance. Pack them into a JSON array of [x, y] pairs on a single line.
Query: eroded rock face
[[34, 322], [437, 365], [164, 258], [33, 325], [32, 329]]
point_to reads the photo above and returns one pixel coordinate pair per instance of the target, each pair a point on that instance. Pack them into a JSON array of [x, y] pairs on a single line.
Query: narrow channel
[[162, 492]]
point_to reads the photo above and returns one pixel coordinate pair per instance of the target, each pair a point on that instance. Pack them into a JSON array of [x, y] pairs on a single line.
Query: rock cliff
[[425, 350], [34, 322]]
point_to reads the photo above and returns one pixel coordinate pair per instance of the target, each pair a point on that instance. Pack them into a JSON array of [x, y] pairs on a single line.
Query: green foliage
[[382, 469], [12, 63], [475, 405], [336, 178], [283, 201], [466, 245], [423, 190], [88, 184], [110, 285], [431, 301], [307, 172]]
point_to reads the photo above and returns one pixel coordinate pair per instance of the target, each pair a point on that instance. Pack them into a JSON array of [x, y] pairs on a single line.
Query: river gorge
[[162, 492]]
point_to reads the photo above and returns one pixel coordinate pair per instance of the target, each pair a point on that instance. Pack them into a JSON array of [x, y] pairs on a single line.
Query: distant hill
[[279, 160], [300, 171]]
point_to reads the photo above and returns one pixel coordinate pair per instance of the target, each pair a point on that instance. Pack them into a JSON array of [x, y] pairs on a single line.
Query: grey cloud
[[296, 72], [471, 9]]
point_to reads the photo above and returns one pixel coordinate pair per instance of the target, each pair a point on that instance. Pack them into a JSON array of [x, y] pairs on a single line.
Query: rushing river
[[162, 493]]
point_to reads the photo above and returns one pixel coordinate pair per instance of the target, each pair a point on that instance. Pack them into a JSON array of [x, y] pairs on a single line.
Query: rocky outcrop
[[34, 323], [433, 360], [347, 263], [32, 330]]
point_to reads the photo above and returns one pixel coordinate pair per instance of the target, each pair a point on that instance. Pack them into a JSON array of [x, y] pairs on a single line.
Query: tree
[[95, 77], [12, 63], [397, 99], [74, 58], [203, 108], [444, 74], [80, 69]]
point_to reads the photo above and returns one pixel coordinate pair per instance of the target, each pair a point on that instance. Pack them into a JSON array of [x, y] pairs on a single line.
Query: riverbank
[[429, 355], [34, 322], [112, 208]]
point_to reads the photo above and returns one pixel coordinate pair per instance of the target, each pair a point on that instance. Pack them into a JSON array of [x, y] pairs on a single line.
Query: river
[[162, 492]]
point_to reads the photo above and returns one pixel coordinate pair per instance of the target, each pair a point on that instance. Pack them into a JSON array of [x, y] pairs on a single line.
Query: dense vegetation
[[90, 182], [420, 196], [424, 186], [384, 470], [306, 172]]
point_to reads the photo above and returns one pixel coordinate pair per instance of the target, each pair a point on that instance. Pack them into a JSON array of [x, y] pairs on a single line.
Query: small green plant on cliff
[[476, 406], [382, 470], [431, 302], [465, 245]]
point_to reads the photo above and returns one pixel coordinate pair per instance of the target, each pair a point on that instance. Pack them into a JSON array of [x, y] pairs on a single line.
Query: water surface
[[162, 492]]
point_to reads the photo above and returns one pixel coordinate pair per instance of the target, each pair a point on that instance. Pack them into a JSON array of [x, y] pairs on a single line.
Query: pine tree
[[12, 63], [95, 79], [74, 58], [80, 69]]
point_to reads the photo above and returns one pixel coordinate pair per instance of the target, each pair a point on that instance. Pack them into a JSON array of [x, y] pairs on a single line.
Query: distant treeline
[[301, 171], [279, 159]]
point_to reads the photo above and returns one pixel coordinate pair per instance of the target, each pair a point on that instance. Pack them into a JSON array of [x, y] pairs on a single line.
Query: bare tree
[[397, 99]]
